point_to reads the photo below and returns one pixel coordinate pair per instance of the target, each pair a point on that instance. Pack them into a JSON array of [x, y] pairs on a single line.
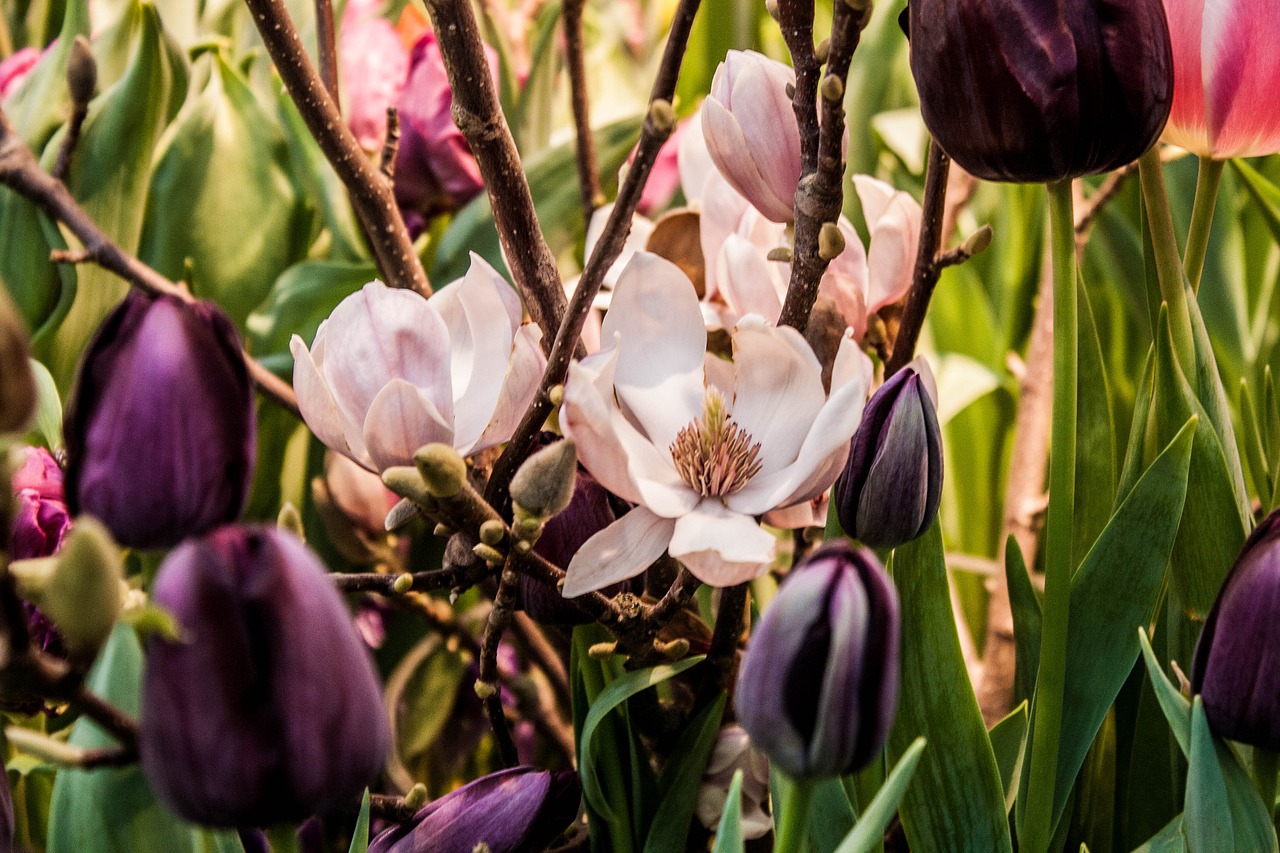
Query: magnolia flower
[[702, 447], [734, 752], [893, 218], [390, 371], [1225, 66]]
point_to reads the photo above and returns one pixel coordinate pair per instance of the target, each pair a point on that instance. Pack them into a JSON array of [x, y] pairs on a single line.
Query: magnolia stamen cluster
[[713, 454]]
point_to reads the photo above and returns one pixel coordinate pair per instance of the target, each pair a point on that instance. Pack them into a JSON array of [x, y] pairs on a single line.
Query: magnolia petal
[[637, 238], [318, 407], [519, 387], [732, 155], [811, 513], [402, 419], [892, 258], [874, 195], [693, 160], [720, 547], [746, 282], [622, 550], [723, 208], [1241, 61]]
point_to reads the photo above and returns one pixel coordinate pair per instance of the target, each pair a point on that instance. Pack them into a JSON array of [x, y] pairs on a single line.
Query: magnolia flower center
[[714, 455]]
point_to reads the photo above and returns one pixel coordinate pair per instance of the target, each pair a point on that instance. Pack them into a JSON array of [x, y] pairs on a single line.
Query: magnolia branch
[[504, 605], [327, 47], [588, 175], [370, 191], [20, 171]]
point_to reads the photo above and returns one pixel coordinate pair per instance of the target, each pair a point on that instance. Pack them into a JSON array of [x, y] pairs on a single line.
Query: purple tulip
[[819, 682], [1236, 668], [160, 428], [520, 810], [1031, 92], [269, 709], [891, 486]]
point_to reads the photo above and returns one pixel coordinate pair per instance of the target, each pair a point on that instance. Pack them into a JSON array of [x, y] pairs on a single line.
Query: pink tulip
[[15, 69], [1226, 61], [373, 65]]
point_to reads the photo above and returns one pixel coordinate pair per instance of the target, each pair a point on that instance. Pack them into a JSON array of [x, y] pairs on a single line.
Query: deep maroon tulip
[[819, 682], [520, 810], [1018, 91], [891, 486], [1236, 669], [40, 519], [160, 429], [269, 709]]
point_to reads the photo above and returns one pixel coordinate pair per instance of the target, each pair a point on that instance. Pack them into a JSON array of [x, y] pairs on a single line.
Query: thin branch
[[504, 604], [327, 46], [588, 176], [390, 144], [723, 656], [927, 271], [72, 138], [1097, 202], [111, 756], [479, 116], [391, 808], [658, 125], [820, 194], [795, 18], [21, 173], [543, 654], [370, 192]]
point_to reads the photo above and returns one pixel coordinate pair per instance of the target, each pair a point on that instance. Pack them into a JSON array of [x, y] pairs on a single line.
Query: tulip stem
[[1265, 763], [1037, 829], [1168, 261], [1207, 181], [283, 838], [793, 817]]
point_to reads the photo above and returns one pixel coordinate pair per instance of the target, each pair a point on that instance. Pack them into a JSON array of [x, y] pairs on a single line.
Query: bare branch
[[588, 176]]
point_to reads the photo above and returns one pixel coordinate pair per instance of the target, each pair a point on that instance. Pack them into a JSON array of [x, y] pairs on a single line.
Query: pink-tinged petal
[[891, 261], [379, 334], [318, 407], [622, 550], [661, 341], [727, 144], [722, 210], [720, 547], [845, 281], [665, 175], [401, 420], [763, 110], [15, 69], [693, 160], [636, 240], [473, 308], [1187, 125], [1241, 55], [778, 390], [874, 195], [373, 66], [746, 281], [811, 513], [519, 387], [814, 468]]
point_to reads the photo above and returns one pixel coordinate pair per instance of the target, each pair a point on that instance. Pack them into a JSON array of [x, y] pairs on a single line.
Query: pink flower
[[1226, 61], [373, 65], [41, 520], [15, 69], [893, 218]]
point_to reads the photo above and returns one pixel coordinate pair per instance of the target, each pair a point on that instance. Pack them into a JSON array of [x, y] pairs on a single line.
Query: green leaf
[[222, 197], [831, 815], [618, 691], [869, 831], [1176, 708], [1009, 743], [681, 778], [1207, 819], [109, 177], [1168, 840], [48, 422], [1095, 438], [1265, 195], [43, 103], [1026, 620], [729, 832], [1112, 594], [1254, 441], [114, 810], [531, 120], [360, 835], [957, 802], [591, 676], [720, 26]]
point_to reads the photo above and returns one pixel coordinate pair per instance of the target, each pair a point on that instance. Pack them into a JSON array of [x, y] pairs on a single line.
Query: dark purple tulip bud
[[1236, 669], [889, 491], [160, 429], [819, 682], [40, 518], [520, 810], [1030, 92], [268, 710]]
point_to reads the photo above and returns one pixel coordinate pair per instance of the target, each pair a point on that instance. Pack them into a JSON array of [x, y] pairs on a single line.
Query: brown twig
[[795, 19], [588, 176], [112, 756], [723, 656], [477, 113], [1097, 202], [21, 173], [657, 128], [543, 655], [390, 144], [820, 194], [504, 604], [391, 808], [72, 138], [327, 46], [370, 192], [82, 82], [927, 269]]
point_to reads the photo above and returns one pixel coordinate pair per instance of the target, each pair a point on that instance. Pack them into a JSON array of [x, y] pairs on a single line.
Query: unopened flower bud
[[891, 486], [832, 88], [82, 71], [18, 394], [442, 469], [406, 481], [662, 116], [977, 242], [819, 681], [492, 532], [830, 241], [543, 487], [285, 718], [402, 584], [511, 811], [160, 428]]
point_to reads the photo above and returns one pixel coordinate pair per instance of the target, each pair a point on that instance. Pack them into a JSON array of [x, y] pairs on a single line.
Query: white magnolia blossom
[[390, 371], [733, 752], [702, 447]]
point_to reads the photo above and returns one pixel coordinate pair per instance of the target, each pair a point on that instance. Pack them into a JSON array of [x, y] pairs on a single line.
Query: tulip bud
[[270, 710], [890, 488], [819, 682], [751, 131], [18, 394], [160, 427], [1061, 90], [1234, 669], [511, 811]]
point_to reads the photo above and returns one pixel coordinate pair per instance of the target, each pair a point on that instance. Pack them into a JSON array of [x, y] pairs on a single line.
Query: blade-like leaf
[[870, 828], [729, 833]]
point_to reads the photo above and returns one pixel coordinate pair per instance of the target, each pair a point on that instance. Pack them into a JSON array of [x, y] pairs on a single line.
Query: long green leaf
[[869, 831], [729, 832], [1207, 819], [1026, 620], [360, 835], [1009, 743], [681, 779]]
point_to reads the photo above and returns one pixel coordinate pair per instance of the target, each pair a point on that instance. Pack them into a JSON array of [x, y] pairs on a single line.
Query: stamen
[[714, 455]]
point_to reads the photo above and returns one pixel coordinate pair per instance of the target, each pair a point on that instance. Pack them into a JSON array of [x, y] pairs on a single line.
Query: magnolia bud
[[442, 469], [18, 394], [543, 487], [82, 71], [819, 681]]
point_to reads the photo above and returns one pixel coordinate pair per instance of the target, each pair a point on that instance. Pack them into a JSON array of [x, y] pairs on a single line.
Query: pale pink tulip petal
[[1240, 51], [519, 387], [746, 282], [622, 550], [720, 547], [317, 405], [401, 419], [1187, 126]]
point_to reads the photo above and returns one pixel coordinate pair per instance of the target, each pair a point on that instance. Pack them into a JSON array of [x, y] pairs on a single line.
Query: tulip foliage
[[639, 426]]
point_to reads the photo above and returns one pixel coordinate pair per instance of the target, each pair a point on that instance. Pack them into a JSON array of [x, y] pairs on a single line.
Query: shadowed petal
[[401, 420], [622, 550], [720, 547]]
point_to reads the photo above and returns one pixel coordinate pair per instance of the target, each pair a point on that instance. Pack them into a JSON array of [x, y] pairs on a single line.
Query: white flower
[[702, 447], [893, 218], [390, 371], [734, 752]]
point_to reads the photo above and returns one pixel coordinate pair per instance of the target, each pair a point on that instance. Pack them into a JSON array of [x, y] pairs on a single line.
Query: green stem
[[1207, 180], [1265, 763], [1168, 262], [283, 838], [1038, 822], [793, 822]]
